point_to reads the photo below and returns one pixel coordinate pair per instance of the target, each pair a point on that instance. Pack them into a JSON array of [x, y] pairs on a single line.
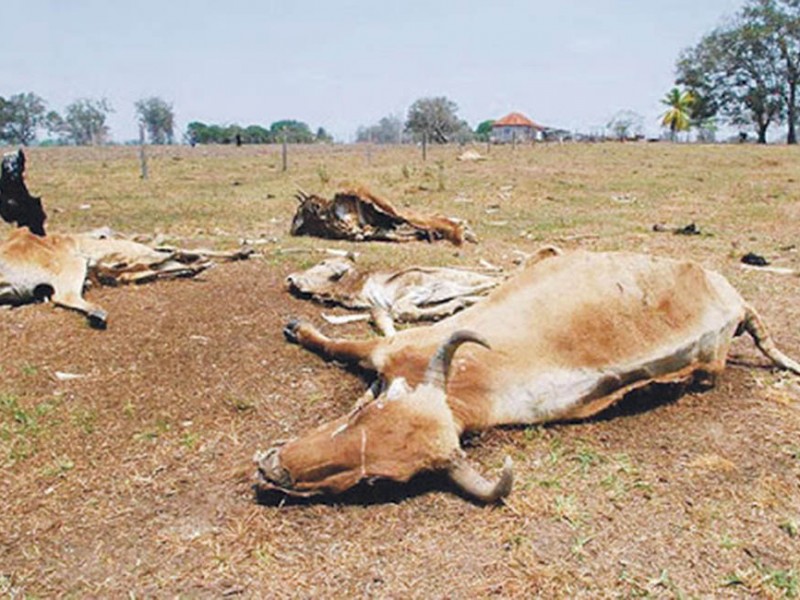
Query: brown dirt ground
[[135, 478]]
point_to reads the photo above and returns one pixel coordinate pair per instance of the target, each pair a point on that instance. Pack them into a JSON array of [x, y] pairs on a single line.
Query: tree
[[20, 116], [434, 118], [295, 132], [625, 124], [256, 134], [735, 70], [463, 134], [84, 122], [55, 126], [389, 130], [677, 117], [484, 130], [778, 22], [158, 119], [323, 136]]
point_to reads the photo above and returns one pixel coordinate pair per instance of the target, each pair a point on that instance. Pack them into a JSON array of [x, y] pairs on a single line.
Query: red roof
[[516, 119]]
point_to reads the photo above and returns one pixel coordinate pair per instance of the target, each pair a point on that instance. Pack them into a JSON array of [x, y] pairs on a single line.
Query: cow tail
[[758, 331]]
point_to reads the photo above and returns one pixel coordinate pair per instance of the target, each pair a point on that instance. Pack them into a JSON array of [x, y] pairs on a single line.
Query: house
[[515, 127]]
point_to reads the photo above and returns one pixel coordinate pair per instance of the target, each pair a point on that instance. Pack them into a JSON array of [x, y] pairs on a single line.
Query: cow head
[[13, 166], [404, 431], [325, 280], [16, 204]]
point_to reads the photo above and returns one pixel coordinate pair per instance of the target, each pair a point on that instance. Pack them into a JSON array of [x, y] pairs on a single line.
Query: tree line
[[745, 73], [289, 130], [82, 123]]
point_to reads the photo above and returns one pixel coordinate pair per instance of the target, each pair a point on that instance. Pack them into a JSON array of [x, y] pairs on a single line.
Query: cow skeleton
[[408, 295]]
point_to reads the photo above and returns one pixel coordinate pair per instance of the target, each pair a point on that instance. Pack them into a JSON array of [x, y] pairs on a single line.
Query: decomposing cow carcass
[[16, 204], [565, 338], [360, 215], [58, 266], [408, 295], [470, 156]]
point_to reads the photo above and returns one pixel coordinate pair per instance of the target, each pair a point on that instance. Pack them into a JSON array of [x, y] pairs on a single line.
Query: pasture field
[[134, 479]]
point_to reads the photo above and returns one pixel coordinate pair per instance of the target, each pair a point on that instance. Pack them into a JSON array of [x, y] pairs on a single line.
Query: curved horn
[[439, 366], [301, 195], [472, 483]]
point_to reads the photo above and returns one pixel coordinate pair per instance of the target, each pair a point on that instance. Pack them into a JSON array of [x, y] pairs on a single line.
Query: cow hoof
[[290, 331], [98, 319]]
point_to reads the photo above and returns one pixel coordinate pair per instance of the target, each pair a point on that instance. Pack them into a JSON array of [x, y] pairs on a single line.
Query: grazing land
[[134, 478]]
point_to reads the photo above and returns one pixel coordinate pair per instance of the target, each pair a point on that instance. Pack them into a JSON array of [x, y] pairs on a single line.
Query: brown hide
[[359, 215], [58, 266], [569, 335]]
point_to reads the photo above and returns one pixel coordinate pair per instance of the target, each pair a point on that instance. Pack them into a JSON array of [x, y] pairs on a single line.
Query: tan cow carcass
[[57, 267], [565, 338]]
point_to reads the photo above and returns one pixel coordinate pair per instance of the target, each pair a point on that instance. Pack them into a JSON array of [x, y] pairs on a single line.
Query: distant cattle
[[406, 295], [567, 337], [16, 204], [360, 215], [57, 267]]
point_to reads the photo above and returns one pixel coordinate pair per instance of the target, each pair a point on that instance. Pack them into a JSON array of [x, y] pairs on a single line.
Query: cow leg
[[758, 331], [68, 293], [409, 313], [383, 321], [348, 351]]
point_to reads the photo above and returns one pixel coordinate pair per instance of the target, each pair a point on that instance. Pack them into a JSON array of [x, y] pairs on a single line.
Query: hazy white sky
[[341, 64]]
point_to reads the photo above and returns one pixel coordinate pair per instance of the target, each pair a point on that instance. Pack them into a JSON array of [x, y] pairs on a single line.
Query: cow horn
[[464, 475], [301, 195], [439, 366]]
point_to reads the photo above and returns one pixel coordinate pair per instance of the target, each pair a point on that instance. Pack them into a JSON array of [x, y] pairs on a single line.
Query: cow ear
[[21, 160]]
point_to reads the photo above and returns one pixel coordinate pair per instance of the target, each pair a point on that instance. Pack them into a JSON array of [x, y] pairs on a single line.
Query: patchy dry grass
[[134, 479]]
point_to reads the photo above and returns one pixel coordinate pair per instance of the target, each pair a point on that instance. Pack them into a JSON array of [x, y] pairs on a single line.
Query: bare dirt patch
[[135, 477]]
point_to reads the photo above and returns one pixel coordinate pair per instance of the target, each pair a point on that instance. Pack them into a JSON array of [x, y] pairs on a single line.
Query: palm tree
[[678, 116]]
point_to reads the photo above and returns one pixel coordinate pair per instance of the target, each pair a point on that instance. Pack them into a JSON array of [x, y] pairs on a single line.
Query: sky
[[341, 64]]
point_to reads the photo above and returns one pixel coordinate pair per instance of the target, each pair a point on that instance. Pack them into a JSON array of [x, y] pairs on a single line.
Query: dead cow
[[568, 336], [409, 295], [16, 204], [360, 215], [57, 267]]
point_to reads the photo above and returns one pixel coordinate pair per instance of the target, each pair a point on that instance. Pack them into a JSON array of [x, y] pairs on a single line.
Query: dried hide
[[407, 295], [59, 266], [361, 216]]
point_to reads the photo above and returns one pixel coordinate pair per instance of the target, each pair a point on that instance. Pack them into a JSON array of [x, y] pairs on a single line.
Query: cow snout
[[270, 472]]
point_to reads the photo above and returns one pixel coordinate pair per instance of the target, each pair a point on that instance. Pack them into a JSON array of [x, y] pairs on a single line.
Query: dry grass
[[135, 479]]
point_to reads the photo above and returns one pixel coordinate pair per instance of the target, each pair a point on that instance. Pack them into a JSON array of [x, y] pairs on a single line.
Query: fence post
[[424, 146], [283, 153], [142, 155]]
